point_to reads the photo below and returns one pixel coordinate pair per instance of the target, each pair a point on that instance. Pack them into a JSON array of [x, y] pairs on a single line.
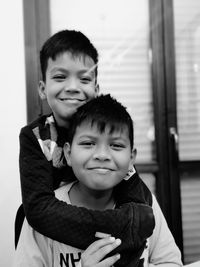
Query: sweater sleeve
[[62, 222]]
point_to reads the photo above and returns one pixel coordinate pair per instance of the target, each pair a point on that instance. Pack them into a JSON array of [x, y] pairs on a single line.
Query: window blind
[[187, 44], [120, 32]]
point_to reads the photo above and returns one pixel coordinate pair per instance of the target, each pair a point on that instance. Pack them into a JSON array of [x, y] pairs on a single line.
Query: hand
[[93, 255]]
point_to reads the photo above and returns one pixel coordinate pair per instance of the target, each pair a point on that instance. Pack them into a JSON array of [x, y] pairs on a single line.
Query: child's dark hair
[[71, 41], [103, 111]]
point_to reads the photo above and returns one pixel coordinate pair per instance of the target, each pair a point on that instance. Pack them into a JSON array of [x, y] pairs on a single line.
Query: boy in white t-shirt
[[101, 152]]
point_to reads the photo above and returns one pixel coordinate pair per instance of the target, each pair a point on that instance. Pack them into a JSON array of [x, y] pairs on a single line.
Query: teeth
[[68, 99], [71, 100]]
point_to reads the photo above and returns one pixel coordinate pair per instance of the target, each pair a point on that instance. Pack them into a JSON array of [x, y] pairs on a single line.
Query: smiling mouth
[[73, 99], [101, 169]]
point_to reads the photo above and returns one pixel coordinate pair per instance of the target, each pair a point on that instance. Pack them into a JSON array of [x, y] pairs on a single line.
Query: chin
[[101, 187]]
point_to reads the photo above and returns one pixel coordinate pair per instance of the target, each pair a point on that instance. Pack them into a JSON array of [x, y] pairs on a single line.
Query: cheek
[[77, 157], [124, 163], [91, 91], [54, 87]]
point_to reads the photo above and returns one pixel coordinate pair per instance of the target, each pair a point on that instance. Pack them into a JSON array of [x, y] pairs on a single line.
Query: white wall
[[13, 117]]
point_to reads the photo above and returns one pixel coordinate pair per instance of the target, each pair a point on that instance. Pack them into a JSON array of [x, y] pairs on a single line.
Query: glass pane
[[120, 32], [190, 188], [187, 43]]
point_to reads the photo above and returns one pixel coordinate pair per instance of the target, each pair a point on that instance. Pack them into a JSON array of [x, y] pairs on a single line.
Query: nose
[[102, 153], [72, 85]]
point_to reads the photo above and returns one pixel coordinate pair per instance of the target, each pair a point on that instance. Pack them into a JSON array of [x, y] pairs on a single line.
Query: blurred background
[[149, 60]]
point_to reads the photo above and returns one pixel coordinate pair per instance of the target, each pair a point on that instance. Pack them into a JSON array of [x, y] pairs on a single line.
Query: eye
[[87, 144], [117, 146], [59, 77], [86, 80]]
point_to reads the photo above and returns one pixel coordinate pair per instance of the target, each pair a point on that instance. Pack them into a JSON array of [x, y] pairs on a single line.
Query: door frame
[[165, 114], [36, 31]]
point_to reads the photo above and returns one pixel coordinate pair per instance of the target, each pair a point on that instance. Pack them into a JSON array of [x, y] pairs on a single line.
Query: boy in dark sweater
[[69, 70]]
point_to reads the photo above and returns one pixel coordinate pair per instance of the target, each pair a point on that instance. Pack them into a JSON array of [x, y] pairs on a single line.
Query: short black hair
[[103, 111], [71, 41]]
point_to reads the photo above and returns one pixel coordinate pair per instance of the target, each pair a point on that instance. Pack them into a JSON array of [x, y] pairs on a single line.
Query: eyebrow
[[83, 71], [87, 136], [96, 136]]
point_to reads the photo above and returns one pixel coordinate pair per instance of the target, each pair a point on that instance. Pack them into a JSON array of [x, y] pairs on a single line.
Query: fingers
[[93, 255], [106, 248], [110, 261], [101, 235], [103, 244]]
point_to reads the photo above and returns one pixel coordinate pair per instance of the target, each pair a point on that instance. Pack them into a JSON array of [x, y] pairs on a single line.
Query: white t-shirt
[[36, 250]]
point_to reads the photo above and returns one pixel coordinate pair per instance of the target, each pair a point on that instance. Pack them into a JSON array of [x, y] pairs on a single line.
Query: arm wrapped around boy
[[132, 221]]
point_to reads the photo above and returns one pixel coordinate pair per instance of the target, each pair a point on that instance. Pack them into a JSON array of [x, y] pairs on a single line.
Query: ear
[[42, 90], [96, 90], [132, 158], [67, 153]]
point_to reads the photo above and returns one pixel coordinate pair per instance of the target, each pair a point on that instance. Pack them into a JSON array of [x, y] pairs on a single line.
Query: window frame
[[36, 31]]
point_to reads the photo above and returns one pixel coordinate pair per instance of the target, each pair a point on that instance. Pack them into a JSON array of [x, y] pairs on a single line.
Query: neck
[[91, 199], [61, 123]]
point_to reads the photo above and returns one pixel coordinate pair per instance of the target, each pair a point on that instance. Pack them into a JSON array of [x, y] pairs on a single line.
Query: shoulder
[[29, 139], [31, 244], [162, 245], [133, 190], [29, 237], [159, 216], [29, 132], [39, 122], [160, 221], [155, 204]]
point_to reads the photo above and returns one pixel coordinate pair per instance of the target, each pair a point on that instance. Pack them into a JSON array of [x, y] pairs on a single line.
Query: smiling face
[[100, 160], [70, 82]]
